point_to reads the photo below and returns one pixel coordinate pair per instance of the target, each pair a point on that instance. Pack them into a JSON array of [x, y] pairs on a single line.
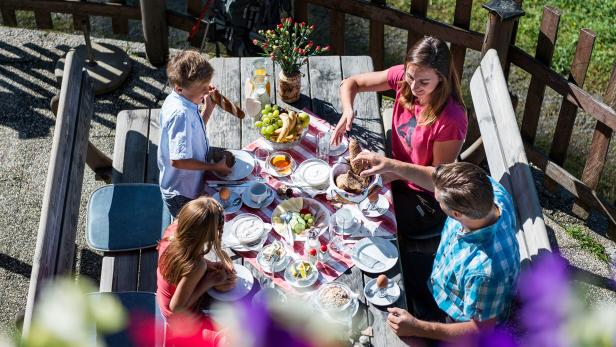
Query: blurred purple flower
[[546, 297], [498, 337]]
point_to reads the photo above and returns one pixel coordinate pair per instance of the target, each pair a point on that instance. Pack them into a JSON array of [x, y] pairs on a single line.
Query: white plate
[[371, 293], [250, 203], [377, 248], [245, 281], [229, 238], [244, 164], [232, 197], [301, 283], [380, 208], [335, 151], [314, 172]]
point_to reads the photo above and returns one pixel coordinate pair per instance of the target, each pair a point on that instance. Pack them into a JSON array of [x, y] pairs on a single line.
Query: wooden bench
[[55, 244], [505, 153]]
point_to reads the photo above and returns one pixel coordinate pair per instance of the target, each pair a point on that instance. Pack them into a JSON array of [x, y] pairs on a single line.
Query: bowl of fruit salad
[[282, 129], [300, 215]]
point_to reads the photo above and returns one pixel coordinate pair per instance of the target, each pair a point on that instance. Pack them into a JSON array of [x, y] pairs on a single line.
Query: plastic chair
[[122, 217]]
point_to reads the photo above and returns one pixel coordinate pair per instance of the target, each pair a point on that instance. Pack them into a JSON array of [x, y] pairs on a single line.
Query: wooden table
[[137, 142]]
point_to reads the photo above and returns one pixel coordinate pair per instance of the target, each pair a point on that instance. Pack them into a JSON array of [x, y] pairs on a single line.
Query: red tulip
[[279, 26], [318, 48], [326, 48], [255, 42]]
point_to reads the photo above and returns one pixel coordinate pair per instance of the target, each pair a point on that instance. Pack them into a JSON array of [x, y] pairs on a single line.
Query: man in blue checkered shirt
[[475, 271]]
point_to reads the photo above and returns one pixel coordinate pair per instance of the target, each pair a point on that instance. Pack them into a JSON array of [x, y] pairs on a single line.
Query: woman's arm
[[365, 82], [185, 295]]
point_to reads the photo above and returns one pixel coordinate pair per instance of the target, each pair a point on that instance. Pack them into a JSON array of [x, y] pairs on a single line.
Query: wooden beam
[[536, 90], [155, 31], [377, 44], [43, 20], [9, 18], [461, 19], [119, 25], [83, 8], [337, 32]]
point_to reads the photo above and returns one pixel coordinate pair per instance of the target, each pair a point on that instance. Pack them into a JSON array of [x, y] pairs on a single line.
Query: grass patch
[[597, 15], [588, 243]]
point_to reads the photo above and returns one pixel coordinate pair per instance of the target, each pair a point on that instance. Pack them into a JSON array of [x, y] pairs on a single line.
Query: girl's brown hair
[[187, 67], [433, 53], [199, 230]]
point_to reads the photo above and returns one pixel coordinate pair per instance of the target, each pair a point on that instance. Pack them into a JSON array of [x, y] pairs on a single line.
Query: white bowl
[[339, 168]]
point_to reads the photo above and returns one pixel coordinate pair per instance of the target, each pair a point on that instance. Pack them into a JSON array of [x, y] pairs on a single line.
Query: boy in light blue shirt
[[183, 147]]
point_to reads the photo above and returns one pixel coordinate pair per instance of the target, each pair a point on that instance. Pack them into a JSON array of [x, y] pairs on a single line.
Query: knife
[[226, 183]]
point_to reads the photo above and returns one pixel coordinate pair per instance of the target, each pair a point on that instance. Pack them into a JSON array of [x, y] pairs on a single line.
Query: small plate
[[380, 208], [343, 146], [245, 281], [375, 248], [231, 208], [371, 293], [244, 164], [270, 170], [250, 203], [229, 238], [307, 282], [279, 266]]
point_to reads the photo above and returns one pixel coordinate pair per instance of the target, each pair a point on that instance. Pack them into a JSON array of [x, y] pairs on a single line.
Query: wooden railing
[[500, 35]]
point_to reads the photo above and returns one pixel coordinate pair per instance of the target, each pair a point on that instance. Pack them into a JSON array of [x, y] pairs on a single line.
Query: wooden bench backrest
[[505, 152], [55, 242]]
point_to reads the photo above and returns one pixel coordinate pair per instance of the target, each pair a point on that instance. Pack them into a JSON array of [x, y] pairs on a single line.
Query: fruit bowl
[[282, 129]]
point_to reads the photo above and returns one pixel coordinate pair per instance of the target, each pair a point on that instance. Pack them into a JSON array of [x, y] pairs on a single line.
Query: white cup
[[345, 219], [258, 192]]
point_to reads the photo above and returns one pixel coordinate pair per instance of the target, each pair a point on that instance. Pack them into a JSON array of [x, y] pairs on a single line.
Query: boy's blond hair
[[187, 67]]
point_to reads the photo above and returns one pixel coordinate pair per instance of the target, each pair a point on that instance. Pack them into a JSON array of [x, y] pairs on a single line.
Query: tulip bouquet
[[289, 45]]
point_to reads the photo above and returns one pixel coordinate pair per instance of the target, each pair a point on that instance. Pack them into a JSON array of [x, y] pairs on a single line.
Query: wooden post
[[377, 40], [300, 10], [193, 7], [502, 15], [155, 31], [419, 8], [337, 32], [79, 20], [598, 153], [462, 19], [568, 110], [43, 19], [119, 24], [514, 33], [536, 89]]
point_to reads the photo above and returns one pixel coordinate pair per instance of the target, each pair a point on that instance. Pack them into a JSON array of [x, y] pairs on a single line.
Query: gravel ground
[[27, 59]]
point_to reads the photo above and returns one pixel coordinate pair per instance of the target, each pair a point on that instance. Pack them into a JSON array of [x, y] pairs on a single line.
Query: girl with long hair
[[429, 125], [183, 274]]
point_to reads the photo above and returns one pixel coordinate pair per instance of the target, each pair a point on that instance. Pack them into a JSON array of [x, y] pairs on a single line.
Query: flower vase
[[289, 86]]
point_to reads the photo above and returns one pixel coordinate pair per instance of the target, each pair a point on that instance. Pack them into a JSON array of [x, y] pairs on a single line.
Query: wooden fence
[[500, 34]]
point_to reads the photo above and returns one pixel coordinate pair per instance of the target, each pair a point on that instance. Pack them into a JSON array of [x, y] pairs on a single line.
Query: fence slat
[[568, 111], [193, 7], [337, 32], [598, 150], [461, 19], [9, 18], [155, 31], [418, 8], [536, 89], [119, 24], [79, 18], [43, 20]]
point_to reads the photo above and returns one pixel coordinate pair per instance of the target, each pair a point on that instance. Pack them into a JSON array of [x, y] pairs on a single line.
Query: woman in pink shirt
[[183, 274], [429, 126]]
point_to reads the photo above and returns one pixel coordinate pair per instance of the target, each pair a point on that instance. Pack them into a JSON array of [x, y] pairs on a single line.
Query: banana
[[292, 119], [285, 126]]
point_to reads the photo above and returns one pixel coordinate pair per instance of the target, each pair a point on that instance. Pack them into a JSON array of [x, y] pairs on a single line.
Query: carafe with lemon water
[[260, 81]]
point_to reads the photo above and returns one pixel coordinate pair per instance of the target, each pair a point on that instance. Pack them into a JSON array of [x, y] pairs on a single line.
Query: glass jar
[[260, 82]]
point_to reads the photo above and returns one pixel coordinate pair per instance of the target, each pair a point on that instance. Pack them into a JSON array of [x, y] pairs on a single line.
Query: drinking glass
[[336, 240], [260, 155], [322, 151]]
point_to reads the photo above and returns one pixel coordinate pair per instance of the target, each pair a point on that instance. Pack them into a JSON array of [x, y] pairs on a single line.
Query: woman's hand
[[343, 126], [378, 163]]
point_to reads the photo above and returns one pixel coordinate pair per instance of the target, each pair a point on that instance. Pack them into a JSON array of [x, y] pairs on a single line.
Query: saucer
[[229, 209], [371, 293], [229, 238], [335, 151], [380, 208], [349, 231], [374, 255], [252, 204], [270, 170]]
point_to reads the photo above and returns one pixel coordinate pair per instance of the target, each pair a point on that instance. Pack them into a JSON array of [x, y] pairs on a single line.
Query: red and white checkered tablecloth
[[338, 263]]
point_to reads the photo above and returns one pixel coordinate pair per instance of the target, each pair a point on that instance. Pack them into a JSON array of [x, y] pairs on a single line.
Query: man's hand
[[403, 323], [221, 167], [343, 126], [378, 163]]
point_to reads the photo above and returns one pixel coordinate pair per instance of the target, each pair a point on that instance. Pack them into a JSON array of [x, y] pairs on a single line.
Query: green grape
[[275, 107], [264, 131], [258, 124], [267, 107], [276, 113], [279, 123], [270, 129], [266, 119], [303, 116], [264, 111]]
